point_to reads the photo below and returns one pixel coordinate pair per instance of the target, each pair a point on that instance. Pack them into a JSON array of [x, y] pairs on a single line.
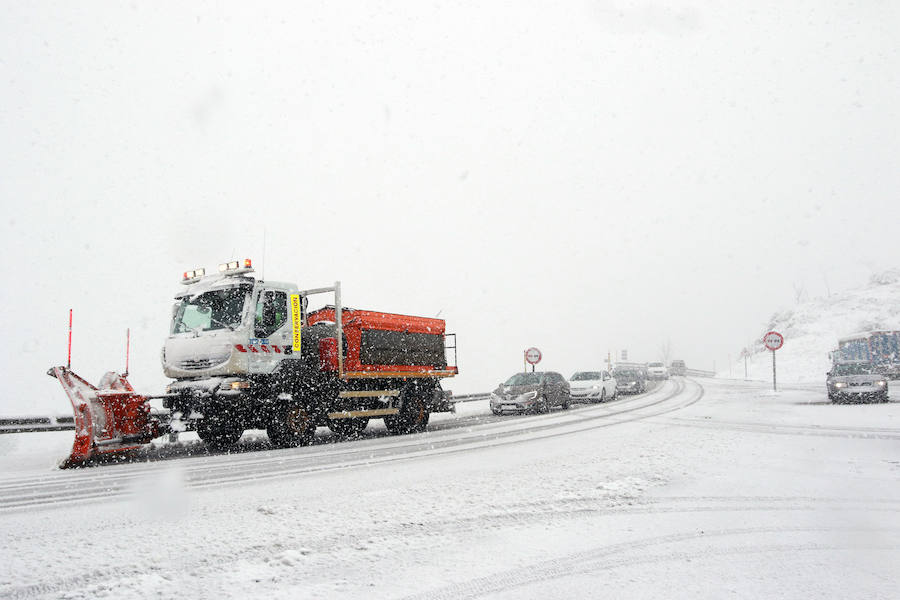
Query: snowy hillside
[[812, 329]]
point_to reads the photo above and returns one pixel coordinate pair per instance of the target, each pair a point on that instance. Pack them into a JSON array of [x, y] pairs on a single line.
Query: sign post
[[773, 341], [532, 357]]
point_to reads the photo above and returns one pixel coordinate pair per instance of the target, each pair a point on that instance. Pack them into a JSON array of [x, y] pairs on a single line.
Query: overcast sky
[[582, 176]]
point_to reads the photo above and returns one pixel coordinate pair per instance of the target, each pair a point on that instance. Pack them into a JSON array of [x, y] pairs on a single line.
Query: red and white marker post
[[773, 341]]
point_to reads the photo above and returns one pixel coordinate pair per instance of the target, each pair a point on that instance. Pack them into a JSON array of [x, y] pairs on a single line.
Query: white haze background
[[580, 176]]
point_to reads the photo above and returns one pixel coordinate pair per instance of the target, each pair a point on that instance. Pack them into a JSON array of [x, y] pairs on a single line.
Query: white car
[[592, 386], [657, 370]]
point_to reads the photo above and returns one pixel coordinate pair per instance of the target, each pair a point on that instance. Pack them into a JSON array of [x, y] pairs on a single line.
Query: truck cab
[[229, 324]]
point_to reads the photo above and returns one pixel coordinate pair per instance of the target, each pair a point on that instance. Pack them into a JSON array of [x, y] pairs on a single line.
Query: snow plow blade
[[109, 419]]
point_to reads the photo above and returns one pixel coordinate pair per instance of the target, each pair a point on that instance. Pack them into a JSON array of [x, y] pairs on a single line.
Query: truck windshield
[[217, 309]]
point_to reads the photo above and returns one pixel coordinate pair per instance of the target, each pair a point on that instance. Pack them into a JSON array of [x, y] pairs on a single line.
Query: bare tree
[[799, 292], [665, 352]]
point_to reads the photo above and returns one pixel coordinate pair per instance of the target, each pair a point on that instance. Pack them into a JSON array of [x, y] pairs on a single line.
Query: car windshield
[[852, 369], [217, 309], [626, 373], [586, 376], [655, 365], [525, 379]]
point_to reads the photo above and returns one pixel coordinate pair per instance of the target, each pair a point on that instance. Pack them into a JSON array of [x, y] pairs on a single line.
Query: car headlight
[[528, 396], [881, 383], [840, 384], [596, 387]]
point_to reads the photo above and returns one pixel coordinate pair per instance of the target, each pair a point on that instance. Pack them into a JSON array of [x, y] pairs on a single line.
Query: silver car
[[855, 381], [531, 393]]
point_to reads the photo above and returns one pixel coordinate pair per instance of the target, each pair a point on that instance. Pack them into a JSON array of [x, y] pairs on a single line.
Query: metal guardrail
[[31, 424], [468, 398], [699, 373]]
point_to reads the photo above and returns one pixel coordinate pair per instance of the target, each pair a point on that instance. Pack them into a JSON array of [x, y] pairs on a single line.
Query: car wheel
[[567, 402], [545, 405]]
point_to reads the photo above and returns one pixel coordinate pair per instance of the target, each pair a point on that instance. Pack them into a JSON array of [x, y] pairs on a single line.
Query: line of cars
[[539, 392]]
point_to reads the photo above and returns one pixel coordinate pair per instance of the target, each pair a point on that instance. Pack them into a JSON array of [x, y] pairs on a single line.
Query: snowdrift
[[812, 329]]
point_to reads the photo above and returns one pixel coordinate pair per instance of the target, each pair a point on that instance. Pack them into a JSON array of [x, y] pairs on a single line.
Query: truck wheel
[[348, 428], [291, 426], [412, 418], [219, 432]]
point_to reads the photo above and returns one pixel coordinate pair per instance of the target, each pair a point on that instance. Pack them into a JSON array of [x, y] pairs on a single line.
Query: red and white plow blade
[[110, 418]]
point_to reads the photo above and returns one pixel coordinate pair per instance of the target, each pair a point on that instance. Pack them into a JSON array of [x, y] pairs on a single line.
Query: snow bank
[[812, 329]]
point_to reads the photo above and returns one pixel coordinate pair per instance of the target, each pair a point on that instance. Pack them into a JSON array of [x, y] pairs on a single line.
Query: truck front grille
[[195, 364]]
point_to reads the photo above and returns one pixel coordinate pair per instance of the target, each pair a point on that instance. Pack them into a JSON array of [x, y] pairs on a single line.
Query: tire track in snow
[[619, 555], [867, 433]]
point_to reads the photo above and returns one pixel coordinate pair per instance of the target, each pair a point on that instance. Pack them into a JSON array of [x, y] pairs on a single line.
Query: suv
[[531, 392], [677, 368], [657, 370], [847, 381]]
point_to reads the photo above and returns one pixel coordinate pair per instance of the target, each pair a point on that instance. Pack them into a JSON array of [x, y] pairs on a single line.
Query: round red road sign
[[773, 340], [533, 356]]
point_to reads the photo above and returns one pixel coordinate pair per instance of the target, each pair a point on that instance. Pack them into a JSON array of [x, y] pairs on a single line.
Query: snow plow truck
[[247, 354]]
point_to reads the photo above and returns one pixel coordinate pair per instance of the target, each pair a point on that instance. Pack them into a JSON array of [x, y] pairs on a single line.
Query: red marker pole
[[69, 359], [127, 348]]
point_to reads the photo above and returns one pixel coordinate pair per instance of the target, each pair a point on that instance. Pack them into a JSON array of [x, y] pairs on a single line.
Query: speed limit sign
[[773, 340], [533, 356]]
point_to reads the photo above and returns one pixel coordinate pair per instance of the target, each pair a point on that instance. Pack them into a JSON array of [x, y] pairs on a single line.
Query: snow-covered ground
[[700, 488], [813, 327]]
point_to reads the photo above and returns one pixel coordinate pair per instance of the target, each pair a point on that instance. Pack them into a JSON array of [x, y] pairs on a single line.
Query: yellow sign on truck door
[[296, 320]]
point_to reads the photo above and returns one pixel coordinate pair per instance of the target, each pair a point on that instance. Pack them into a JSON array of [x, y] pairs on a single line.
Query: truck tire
[[219, 432], [413, 416], [348, 428], [291, 426]]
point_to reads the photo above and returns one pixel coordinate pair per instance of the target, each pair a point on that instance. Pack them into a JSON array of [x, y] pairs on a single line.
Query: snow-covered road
[[700, 487]]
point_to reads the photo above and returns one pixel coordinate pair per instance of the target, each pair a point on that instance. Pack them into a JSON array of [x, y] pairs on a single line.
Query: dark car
[[856, 381], [531, 392], [630, 380]]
